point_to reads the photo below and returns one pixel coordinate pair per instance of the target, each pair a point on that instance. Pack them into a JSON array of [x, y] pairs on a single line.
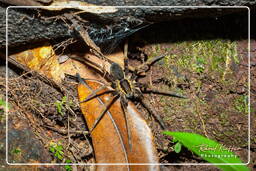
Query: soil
[[217, 98], [215, 107]]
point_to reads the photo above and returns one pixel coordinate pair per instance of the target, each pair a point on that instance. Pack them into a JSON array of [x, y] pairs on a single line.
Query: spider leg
[[146, 105], [81, 80], [106, 107], [94, 94], [154, 60], [165, 93], [144, 89], [126, 69], [124, 105], [146, 66]]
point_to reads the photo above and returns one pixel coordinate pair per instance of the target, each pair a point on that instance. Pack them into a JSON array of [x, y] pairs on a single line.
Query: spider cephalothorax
[[122, 84]]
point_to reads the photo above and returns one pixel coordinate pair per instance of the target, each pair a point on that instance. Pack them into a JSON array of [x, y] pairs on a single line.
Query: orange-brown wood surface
[[110, 139]]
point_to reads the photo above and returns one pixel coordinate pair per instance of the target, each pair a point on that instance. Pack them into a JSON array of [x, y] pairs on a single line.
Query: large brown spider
[[127, 88]]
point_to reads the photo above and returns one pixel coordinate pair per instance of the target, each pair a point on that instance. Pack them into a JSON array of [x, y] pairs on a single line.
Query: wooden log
[[25, 26]]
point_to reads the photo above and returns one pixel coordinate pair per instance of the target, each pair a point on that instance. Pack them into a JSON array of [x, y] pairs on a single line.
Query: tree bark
[[25, 27]]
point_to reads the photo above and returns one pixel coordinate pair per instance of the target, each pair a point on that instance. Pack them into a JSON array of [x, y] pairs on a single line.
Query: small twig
[[68, 134], [84, 34], [64, 45], [65, 132], [201, 119], [150, 79], [89, 143]]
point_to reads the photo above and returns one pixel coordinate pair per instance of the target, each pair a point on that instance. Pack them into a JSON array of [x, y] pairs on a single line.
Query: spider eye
[[116, 71]]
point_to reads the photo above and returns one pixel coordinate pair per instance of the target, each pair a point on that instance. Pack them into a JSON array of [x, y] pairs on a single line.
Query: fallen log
[[26, 26]]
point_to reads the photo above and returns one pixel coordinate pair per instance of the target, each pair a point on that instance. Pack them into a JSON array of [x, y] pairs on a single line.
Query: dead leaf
[[110, 139], [43, 60], [72, 67]]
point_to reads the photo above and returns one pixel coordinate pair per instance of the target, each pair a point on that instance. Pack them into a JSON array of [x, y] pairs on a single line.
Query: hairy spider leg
[[126, 70], [94, 94], [146, 65], [155, 59], [153, 113], [106, 107], [165, 93], [124, 105], [81, 80], [143, 68]]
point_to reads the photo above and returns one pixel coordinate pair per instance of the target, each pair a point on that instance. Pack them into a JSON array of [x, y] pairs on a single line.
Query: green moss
[[16, 151], [156, 51], [199, 69], [241, 104], [212, 56], [223, 118], [3, 107], [200, 56]]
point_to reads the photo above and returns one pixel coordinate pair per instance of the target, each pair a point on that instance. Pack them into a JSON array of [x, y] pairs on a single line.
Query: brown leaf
[[72, 67], [43, 60], [110, 139]]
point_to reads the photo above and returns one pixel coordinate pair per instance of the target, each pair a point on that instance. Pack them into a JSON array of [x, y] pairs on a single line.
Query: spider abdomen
[[116, 71]]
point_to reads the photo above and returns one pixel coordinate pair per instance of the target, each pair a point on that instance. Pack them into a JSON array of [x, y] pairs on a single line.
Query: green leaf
[[58, 155], [59, 107], [68, 161], [177, 147], [59, 148], [174, 140], [68, 168], [52, 149], [3, 104], [16, 151], [209, 150], [64, 99], [61, 152]]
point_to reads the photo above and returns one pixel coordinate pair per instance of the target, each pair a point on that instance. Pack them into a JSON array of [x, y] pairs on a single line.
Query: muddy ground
[[206, 62]]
